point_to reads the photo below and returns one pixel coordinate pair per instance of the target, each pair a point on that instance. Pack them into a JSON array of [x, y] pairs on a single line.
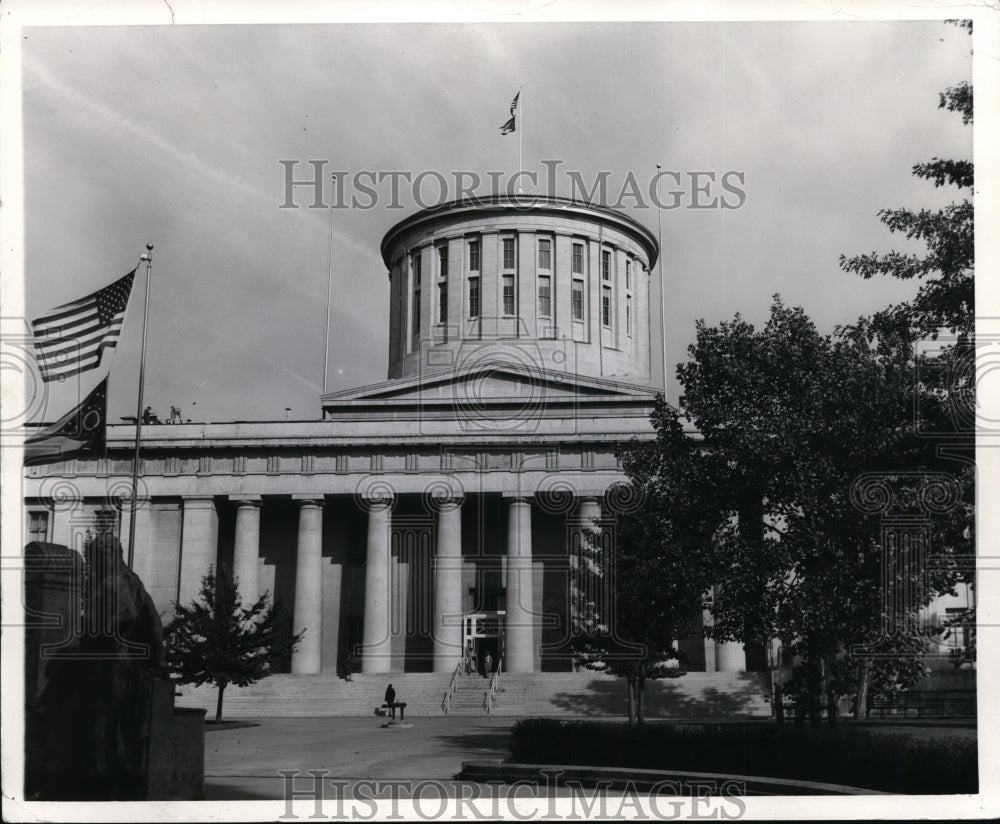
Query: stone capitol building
[[435, 512]]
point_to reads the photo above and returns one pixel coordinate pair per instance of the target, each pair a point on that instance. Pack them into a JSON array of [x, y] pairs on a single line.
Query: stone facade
[[435, 511]]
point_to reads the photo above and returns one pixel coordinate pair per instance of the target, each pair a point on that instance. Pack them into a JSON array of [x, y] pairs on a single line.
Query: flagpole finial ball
[[149, 246]]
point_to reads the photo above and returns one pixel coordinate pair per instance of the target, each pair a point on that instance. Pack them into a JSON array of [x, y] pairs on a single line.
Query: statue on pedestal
[[96, 704]]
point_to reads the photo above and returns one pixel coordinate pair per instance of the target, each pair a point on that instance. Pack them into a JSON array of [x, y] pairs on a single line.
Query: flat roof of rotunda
[[501, 204]]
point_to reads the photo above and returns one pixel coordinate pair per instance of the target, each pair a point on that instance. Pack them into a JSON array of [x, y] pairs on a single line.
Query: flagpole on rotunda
[[329, 288], [148, 259], [520, 133], [659, 265]]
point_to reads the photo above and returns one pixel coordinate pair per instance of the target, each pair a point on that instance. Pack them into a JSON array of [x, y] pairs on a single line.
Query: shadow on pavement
[[242, 790], [479, 743], [664, 698]]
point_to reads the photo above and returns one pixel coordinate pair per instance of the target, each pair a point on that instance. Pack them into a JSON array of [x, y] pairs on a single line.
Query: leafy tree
[[946, 298], [639, 582], [762, 507], [219, 641], [945, 384]]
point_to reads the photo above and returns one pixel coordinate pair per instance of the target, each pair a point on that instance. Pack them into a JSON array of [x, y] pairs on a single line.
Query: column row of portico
[[199, 549]]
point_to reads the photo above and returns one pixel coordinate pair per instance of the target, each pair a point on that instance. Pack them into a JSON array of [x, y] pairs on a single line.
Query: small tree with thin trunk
[[639, 577], [219, 641]]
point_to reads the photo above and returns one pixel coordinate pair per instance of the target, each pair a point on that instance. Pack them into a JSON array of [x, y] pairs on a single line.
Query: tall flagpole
[[148, 258], [663, 296], [329, 286], [520, 163]]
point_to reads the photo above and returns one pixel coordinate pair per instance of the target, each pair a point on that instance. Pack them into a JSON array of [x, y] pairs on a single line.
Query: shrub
[[891, 761]]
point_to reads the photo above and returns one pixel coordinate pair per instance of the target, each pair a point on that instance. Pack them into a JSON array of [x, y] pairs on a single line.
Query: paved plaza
[[242, 763]]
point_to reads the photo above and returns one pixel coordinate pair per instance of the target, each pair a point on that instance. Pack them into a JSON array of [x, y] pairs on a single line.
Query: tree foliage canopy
[[946, 298], [764, 503], [219, 640]]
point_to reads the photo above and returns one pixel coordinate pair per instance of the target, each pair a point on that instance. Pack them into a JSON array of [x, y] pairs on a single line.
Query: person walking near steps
[[390, 700]]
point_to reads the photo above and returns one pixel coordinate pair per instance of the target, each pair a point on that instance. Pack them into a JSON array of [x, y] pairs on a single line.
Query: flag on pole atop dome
[[511, 124], [72, 338]]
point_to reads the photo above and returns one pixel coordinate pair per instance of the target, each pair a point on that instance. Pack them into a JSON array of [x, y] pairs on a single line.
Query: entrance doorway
[[483, 634]]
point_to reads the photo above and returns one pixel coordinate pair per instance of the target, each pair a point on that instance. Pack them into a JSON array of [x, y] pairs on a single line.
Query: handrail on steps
[[446, 703], [494, 687]]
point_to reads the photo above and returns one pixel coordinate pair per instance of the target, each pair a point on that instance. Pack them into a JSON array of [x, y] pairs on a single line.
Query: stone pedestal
[[176, 755], [169, 764], [52, 578]]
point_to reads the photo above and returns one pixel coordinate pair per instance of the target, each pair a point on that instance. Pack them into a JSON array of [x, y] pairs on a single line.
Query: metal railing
[[493, 688], [446, 702]]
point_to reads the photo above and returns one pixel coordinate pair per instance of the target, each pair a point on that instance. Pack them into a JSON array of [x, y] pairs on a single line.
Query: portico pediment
[[490, 384]]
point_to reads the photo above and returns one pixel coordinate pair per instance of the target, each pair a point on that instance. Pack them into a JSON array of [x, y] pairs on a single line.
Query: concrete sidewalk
[[243, 763]]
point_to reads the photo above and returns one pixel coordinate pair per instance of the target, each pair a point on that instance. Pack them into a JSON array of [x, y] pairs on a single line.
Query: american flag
[[510, 125], [72, 338]]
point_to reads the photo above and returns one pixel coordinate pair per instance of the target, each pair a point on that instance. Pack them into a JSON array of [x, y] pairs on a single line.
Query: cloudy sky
[[173, 135]]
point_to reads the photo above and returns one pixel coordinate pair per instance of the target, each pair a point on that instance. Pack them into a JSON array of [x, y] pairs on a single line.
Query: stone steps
[[696, 694], [325, 694], [469, 695]]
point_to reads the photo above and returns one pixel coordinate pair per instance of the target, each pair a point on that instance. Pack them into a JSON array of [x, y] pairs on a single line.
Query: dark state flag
[[79, 432]]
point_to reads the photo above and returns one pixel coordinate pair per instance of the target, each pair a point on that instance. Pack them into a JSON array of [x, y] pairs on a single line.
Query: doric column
[[142, 557], [308, 612], [199, 545], [708, 643], [247, 545], [447, 627], [520, 628], [588, 510], [377, 651]]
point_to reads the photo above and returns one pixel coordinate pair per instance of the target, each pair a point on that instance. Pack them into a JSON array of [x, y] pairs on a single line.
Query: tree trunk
[[779, 705], [861, 696], [641, 701], [814, 687], [218, 705], [831, 698], [631, 701]]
